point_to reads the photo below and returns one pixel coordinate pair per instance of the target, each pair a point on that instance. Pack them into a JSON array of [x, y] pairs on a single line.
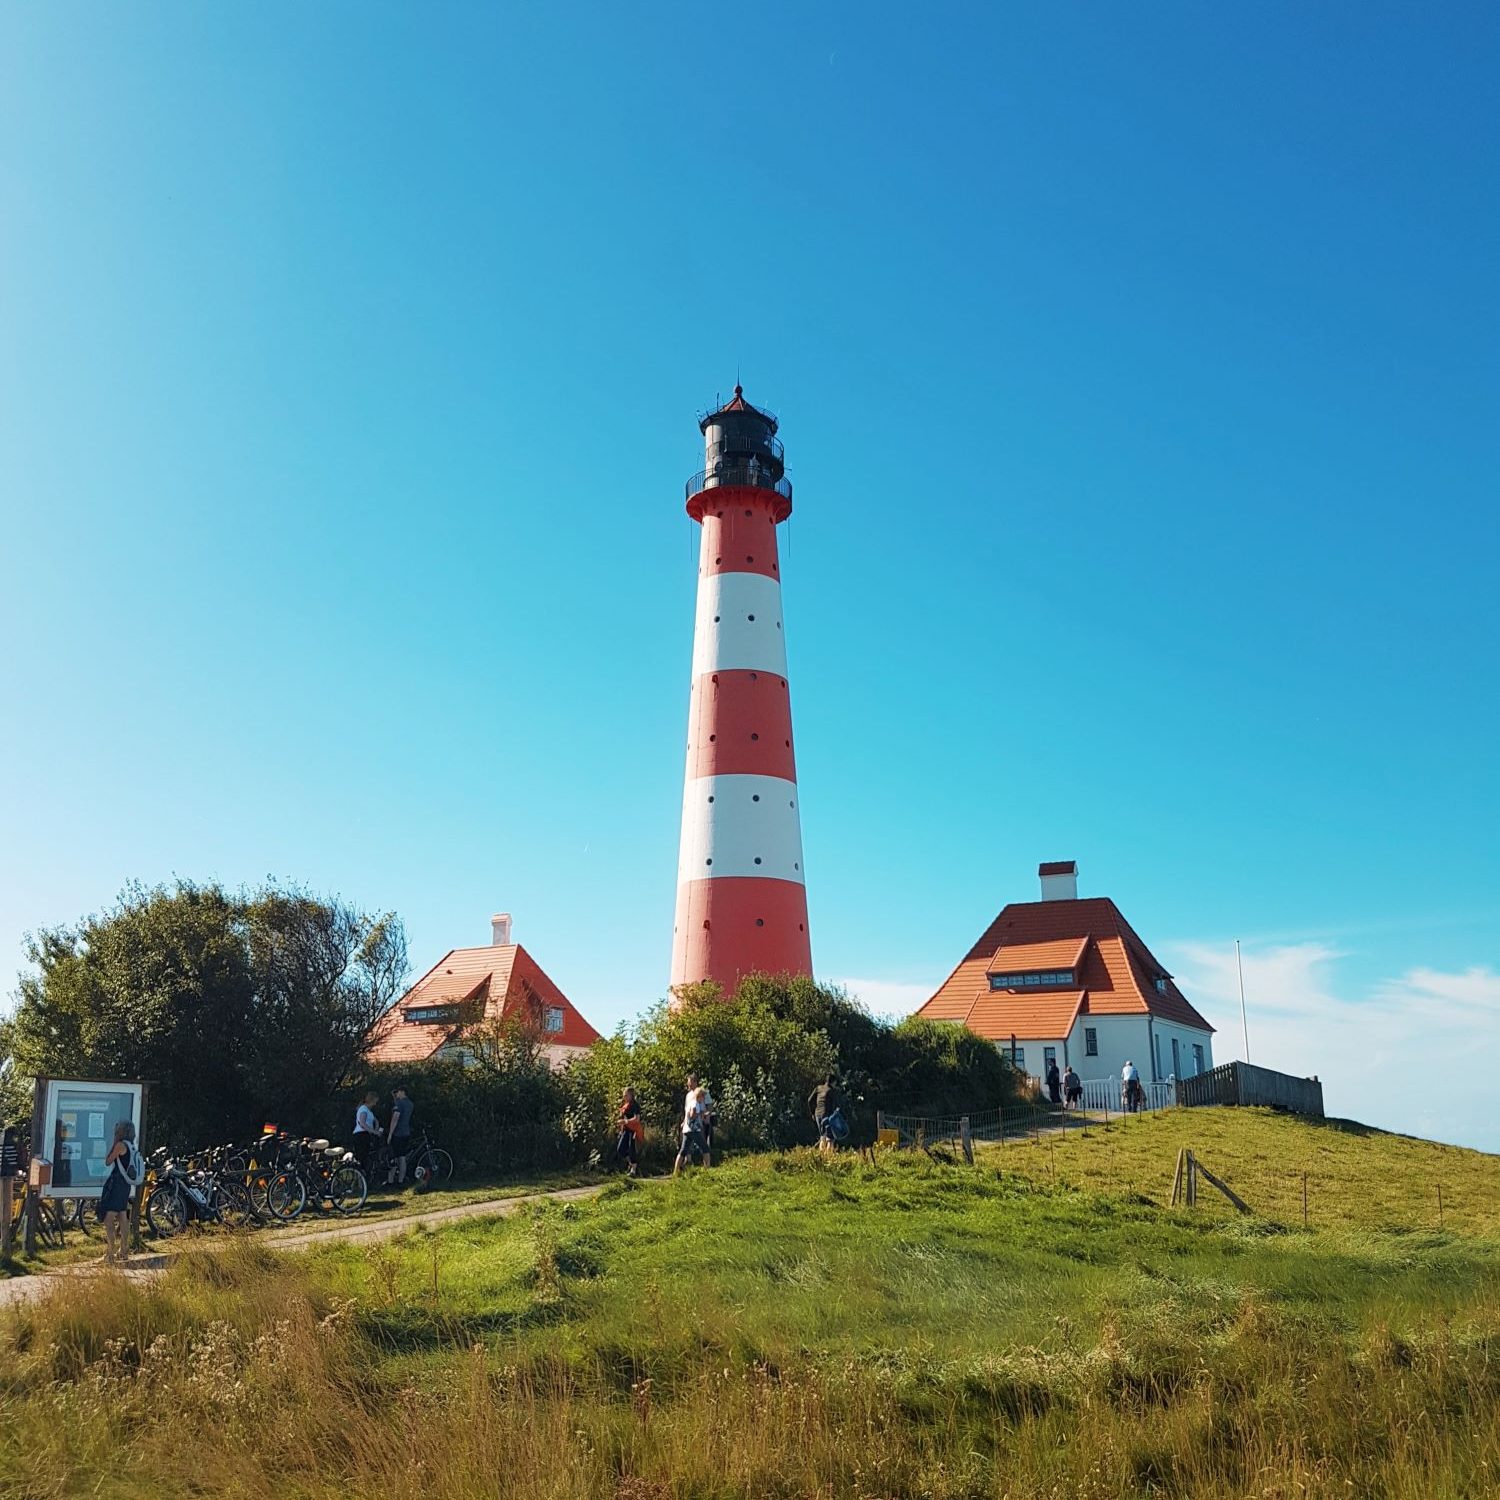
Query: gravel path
[[142, 1268]]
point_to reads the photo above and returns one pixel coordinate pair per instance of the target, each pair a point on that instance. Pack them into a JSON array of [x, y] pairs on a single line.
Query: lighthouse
[[741, 897]]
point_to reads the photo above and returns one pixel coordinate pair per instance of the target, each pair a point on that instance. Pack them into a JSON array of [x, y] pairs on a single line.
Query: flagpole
[[1245, 1024]]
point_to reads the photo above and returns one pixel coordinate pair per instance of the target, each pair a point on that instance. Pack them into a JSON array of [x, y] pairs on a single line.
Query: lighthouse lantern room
[[741, 897]]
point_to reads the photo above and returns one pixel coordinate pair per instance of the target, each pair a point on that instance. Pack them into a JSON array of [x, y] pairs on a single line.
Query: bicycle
[[317, 1172], [184, 1195], [431, 1166]]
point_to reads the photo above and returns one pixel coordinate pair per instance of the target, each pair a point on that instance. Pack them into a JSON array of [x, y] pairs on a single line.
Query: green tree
[[232, 1005]]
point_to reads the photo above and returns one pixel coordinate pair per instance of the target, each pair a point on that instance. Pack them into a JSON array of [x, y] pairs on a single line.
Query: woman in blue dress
[[114, 1199]]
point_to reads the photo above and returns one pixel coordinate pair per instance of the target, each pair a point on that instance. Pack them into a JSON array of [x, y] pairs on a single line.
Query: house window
[[1176, 1060], [1049, 1056], [1031, 980], [1197, 1059], [427, 1015], [1156, 1056], [1091, 1041], [554, 1020], [1017, 1056], [1161, 984]]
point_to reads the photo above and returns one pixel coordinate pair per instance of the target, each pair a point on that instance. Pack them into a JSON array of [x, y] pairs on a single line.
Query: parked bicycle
[[203, 1195], [317, 1173]]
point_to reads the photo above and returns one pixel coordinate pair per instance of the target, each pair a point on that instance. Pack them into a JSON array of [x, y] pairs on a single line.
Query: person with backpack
[[126, 1173]]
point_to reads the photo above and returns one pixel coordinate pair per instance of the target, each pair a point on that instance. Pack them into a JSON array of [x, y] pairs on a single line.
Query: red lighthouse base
[[731, 927]]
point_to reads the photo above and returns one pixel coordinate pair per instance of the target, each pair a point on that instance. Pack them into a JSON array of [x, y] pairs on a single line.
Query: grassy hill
[[1356, 1176], [785, 1326]]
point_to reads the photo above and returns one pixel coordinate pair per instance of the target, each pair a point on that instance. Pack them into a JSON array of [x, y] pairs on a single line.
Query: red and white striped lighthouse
[[741, 900]]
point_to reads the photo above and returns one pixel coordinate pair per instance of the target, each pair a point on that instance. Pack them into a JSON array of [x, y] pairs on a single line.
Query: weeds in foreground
[[920, 1331]]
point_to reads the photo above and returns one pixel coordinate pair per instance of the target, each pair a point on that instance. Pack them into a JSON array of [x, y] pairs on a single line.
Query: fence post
[[879, 1122], [965, 1139], [1440, 1205]]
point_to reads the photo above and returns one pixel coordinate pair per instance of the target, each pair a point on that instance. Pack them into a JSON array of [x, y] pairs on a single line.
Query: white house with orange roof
[[1070, 980], [468, 986]]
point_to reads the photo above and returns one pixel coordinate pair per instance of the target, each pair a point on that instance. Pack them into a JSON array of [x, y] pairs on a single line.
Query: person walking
[[824, 1104], [627, 1146], [366, 1130], [710, 1118], [10, 1169], [1072, 1088], [126, 1173], [1054, 1081], [398, 1135], [1130, 1085], [692, 1129]]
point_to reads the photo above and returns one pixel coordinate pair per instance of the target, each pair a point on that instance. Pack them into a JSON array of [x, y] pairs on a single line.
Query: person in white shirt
[[709, 1120], [1130, 1086], [366, 1130], [693, 1112]]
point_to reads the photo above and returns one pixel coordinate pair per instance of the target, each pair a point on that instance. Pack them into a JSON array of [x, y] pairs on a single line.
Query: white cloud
[[892, 998], [1402, 1054]]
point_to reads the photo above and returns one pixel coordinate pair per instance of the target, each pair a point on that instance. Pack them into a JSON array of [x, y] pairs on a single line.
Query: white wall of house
[[1118, 1039]]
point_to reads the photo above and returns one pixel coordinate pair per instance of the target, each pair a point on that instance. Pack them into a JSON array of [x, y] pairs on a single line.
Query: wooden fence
[[1243, 1083]]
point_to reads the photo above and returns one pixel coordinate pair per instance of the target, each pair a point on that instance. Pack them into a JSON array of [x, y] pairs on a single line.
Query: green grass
[[789, 1326], [1356, 1176]]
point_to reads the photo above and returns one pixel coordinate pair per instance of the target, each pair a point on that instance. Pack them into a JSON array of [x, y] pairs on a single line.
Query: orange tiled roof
[[490, 982], [1020, 958], [1001, 1014], [1114, 969]]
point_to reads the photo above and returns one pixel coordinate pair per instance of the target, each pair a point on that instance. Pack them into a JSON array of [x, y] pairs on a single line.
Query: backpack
[[132, 1166]]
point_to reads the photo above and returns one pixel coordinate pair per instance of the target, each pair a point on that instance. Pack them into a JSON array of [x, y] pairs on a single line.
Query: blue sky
[[1138, 376]]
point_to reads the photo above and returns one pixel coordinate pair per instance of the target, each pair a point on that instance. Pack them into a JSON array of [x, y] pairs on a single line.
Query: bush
[[763, 1052]]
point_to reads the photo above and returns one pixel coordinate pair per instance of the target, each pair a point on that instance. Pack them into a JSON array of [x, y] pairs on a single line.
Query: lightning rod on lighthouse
[[741, 897]]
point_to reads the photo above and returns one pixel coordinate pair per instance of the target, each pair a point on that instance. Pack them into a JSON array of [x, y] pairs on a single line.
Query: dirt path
[[142, 1268]]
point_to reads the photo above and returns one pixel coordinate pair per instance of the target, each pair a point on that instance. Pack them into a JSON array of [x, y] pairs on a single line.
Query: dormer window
[[1161, 984], [553, 1020], [1031, 980], [431, 1015]]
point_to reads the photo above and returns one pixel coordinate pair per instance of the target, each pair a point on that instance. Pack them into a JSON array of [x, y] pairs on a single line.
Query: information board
[[78, 1128]]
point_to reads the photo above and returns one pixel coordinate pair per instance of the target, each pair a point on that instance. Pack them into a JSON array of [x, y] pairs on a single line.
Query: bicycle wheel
[[83, 1213], [347, 1190], [232, 1204], [166, 1211], [433, 1168], [286, 1196]]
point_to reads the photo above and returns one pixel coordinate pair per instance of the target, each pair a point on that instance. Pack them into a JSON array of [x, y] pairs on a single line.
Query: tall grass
[[783, 1327]]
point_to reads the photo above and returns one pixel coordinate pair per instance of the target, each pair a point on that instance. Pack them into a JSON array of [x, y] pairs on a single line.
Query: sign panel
[[78, 1128]]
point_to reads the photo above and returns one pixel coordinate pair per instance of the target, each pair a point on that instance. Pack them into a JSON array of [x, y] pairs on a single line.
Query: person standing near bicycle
[[398, 1136], [126, 1173], [366, 1131]]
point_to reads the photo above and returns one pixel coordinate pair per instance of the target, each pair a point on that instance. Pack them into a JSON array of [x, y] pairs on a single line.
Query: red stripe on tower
[[741, 897]]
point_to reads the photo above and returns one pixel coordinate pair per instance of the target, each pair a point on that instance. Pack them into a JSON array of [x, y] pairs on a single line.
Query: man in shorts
[[398, 1135]]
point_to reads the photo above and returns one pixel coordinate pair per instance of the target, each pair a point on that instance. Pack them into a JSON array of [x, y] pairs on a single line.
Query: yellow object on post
[[888, 1137]]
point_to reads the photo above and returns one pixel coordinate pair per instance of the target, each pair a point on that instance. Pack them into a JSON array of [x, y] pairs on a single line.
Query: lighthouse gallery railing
[[735, 472]]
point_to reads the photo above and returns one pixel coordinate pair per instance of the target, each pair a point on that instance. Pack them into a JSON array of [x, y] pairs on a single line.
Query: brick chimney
[[500, 930], [1059, 880]]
